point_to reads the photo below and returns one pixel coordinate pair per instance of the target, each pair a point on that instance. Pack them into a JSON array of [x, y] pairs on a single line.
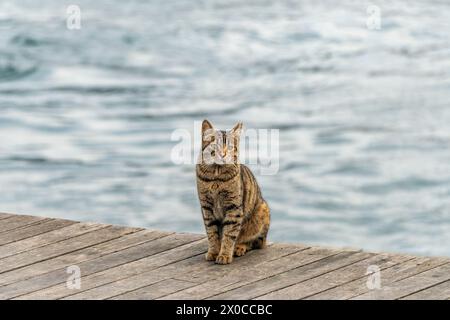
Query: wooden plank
[[257, 263], [389, 275], [33, 230], [237, 276], [6, 215], [48, 238], [91, 281], [97, 264], [62, 247], [209, 271], [279, 281], [18, 222], [76, 257], [437, 292], [130, 263], [164, 266], [119, 286], [405, 287], [154, 291], [335, 278]]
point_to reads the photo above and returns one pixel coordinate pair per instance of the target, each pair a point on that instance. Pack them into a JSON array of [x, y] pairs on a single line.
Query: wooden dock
[[38, 256]]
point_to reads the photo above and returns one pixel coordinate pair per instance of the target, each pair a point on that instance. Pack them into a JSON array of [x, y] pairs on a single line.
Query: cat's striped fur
[[235, 214]]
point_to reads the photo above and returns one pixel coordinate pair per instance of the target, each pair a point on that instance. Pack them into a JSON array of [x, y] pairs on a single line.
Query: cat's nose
[[223, 153]]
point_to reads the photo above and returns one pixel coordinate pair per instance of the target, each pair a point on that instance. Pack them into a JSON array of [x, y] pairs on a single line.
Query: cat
[[235, 215]]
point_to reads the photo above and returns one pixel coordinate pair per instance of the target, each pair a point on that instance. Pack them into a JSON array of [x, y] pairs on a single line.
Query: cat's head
[[220, 146]]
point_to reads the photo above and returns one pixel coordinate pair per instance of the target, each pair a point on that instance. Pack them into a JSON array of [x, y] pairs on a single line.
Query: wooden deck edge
[[122, 262]]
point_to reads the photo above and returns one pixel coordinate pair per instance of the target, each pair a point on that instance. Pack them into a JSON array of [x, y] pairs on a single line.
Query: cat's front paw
[[240, 250], [224, 259], [211, 256]]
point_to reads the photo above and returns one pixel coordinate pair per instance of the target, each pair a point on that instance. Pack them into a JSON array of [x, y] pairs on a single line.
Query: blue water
[[86, 115]]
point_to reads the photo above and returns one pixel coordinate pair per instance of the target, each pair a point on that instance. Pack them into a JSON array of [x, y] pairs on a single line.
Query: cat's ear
[[236, 131], [206, 125]]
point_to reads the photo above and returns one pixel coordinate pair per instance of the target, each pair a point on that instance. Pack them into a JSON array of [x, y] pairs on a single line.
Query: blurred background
[[86, 114]]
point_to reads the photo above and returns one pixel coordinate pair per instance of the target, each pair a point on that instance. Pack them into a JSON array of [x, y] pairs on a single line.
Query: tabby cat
[[236, 216]]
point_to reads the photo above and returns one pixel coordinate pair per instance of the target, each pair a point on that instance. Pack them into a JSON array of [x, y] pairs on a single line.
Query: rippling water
[[364, 115]]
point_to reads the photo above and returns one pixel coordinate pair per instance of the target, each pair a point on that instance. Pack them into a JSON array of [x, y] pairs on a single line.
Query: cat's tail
[[263, 214]]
